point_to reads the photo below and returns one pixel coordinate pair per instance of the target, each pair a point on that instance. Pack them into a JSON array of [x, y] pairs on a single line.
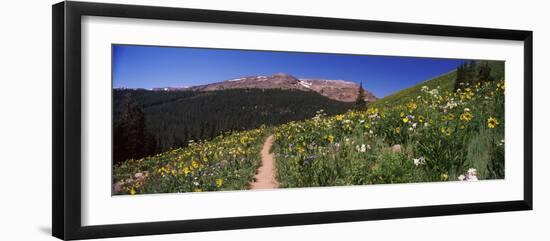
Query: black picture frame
[[66, 128]]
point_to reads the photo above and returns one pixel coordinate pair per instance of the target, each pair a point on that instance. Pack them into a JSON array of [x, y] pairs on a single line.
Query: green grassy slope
[[445, 82]]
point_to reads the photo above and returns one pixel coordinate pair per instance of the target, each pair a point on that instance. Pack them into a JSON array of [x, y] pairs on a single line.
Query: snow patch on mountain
[[234, 80], [305, 84]]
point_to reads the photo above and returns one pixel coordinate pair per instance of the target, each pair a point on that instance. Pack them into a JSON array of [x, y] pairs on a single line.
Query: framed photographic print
[[170, 120]]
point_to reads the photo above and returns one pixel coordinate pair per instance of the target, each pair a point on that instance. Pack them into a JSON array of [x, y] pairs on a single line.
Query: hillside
[[175, 117], [450, 136], [445, 82], [425, 133]]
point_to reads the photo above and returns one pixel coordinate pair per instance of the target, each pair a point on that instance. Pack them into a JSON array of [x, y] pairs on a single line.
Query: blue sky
[[151, 66]]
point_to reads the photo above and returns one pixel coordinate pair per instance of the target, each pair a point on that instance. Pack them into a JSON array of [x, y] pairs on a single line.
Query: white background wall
[[25, 121]]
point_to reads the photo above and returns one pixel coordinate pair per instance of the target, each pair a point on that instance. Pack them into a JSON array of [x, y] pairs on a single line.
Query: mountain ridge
[[340, 90]]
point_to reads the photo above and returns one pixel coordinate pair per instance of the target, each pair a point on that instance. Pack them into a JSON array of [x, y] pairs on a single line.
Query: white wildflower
[[424, 88], [361, 148], [471, 175], [419, 161]]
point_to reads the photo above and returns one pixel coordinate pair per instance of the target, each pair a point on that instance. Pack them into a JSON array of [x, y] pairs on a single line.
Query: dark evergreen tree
[[129, 134], [360, 102], [201, 132], [186, 136], [459, 81], [471, 75], [213, 131], [177, 141], [484, 73], [151, 145], [467, 74]]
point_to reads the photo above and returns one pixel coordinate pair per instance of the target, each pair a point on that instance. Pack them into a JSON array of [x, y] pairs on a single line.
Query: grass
[[444, 81], [442, 135], [227, 162]]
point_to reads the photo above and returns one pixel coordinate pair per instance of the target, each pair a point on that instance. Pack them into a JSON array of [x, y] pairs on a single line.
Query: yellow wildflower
[[492, 122], [372, 111], [397, 130], [195, 164], [411, 106], [500, 86], [330, 138], [421, 119], [446, 131], [186, 171], [466, 116], [219, 182], [405, 120]]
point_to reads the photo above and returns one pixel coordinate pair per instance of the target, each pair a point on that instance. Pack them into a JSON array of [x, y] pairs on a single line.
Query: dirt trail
[[265, 176]]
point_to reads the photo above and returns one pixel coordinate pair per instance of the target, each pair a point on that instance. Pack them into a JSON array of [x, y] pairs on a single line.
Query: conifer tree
[[360, 101], [129, 132], [459, 77], [484, 72]]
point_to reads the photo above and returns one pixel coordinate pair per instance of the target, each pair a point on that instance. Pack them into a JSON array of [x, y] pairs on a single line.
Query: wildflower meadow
[[434, 136], [439, 130]]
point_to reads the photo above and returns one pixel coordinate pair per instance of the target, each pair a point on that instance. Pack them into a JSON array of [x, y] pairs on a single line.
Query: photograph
[[275, 120], [190, 119]]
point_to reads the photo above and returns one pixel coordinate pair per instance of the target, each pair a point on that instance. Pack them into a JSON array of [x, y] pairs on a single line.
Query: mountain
[[340, 90]]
